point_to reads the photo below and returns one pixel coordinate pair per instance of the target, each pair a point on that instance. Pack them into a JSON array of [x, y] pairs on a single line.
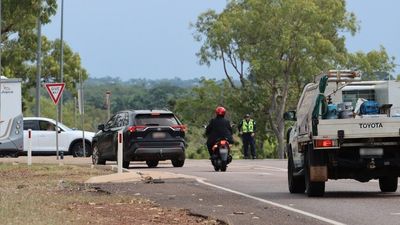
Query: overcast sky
[[152, 38]]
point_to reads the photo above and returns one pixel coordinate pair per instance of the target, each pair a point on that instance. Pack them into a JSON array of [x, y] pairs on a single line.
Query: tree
[[19, 39], [284, 43]]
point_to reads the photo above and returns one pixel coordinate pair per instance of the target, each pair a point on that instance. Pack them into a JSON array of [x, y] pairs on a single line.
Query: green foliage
[[284, 43], [133, 95], [198, 108], [374, 64], [196, 148], [19, 46]]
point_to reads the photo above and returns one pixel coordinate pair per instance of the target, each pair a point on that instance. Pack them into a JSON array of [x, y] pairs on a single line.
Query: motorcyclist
[[218, 128]]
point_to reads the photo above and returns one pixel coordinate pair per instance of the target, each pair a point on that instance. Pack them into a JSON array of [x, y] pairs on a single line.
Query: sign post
[[119, 151], [55, 91], [29, 147]]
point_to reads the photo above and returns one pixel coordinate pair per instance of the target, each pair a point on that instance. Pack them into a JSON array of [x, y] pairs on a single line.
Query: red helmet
[[220, 111]]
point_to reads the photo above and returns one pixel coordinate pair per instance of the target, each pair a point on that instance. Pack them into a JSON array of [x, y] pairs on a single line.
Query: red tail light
[[223, 142], [133, 129], [325, 143], [179, 128]]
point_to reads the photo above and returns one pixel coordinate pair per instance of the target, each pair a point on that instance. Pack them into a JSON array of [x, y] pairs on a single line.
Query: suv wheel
[[152, 163], [96, 158], [177, 162]]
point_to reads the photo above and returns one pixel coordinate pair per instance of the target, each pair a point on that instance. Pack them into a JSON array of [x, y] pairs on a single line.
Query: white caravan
[[11, 124]]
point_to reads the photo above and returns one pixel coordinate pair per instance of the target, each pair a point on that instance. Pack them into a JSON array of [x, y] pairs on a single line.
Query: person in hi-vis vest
[[247, 128]]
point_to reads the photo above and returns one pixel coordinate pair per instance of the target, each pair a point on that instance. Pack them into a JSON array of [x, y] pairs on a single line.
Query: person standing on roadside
[[247, 128]]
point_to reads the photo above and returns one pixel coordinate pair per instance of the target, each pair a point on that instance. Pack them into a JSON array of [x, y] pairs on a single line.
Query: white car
[[43, 138]]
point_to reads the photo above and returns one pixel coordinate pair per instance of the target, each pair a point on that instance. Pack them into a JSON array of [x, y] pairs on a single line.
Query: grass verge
[[53, 194]]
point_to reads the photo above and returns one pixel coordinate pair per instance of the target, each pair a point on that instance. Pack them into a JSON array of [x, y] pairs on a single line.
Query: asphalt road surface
[[263, 183]]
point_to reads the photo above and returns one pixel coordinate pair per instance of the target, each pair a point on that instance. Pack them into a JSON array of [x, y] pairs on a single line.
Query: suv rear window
[[155, 120]]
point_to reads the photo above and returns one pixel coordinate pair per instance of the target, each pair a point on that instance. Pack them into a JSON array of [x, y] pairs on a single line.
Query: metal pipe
[[61, 60], [38, 65]]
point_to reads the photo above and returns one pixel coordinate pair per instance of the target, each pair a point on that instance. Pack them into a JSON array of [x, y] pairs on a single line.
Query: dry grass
[[52, 194], [43, 194]]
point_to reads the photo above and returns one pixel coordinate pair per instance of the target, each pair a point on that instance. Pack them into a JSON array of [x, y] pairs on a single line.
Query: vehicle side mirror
[[58, 130], [101, 127], [290, 116]]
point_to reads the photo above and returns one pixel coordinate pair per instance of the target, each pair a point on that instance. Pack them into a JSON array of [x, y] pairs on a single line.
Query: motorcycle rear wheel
[[223, 166]]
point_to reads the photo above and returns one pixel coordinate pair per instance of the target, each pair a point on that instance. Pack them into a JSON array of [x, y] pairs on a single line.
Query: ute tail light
[[133, 129], [325, 143], [179, 128]]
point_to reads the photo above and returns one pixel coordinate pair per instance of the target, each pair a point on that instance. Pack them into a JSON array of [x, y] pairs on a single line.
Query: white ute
[[338, 134]]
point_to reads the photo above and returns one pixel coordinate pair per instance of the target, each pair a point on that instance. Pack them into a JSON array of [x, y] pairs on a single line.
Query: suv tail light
[[179, 128], [133, 129]]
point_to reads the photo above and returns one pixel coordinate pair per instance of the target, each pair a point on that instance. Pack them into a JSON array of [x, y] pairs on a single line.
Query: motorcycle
[[221, 156]]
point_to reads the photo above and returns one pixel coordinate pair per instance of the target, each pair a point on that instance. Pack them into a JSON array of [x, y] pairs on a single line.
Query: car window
[[155, 120], [120, 120], [46, 125], [111, 122], [30, 124], [126, 119]]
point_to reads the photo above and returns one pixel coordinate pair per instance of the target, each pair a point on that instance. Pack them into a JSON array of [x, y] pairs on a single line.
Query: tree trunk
[[278, 99], [281, 145]]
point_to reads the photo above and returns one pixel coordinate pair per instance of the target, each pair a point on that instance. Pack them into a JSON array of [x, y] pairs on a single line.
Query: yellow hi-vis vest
[[248, 127]]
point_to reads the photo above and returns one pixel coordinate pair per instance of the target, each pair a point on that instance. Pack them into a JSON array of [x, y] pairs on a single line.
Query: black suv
[[148, 135]]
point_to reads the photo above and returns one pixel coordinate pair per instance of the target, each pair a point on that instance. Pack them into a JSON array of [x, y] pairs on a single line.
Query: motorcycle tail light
[[223, 142]]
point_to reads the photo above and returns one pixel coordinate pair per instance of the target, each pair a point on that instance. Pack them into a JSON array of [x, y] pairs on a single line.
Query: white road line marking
[[395, 214], [272, 203]]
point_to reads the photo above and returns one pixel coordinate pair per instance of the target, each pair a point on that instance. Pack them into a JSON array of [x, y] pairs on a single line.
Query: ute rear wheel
[[388, 184], [152, 163], [313, 189], [296, 183]]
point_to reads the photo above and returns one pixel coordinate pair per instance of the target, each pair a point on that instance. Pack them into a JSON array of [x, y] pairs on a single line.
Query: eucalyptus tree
[[19, 45], [275, 46]]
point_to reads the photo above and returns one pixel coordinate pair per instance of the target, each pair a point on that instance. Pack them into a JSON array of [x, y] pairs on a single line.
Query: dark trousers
[[248, 140]]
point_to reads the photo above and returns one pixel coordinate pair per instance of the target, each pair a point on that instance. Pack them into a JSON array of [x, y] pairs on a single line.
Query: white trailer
[[11, 120], [360, 147]]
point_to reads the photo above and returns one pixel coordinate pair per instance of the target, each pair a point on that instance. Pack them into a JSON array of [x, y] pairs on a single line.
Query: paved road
[[265, 181]]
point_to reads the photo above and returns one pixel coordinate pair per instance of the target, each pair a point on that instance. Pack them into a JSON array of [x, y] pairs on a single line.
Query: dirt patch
[[52, 194]]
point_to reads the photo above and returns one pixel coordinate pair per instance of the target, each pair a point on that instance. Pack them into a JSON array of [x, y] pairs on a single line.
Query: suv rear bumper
[[143, 154]]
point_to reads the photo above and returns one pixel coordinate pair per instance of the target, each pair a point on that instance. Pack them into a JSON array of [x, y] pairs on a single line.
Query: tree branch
[[226, 71]]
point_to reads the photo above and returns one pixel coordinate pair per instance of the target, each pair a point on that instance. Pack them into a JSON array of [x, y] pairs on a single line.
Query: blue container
[[332, 112], [369, 108]]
